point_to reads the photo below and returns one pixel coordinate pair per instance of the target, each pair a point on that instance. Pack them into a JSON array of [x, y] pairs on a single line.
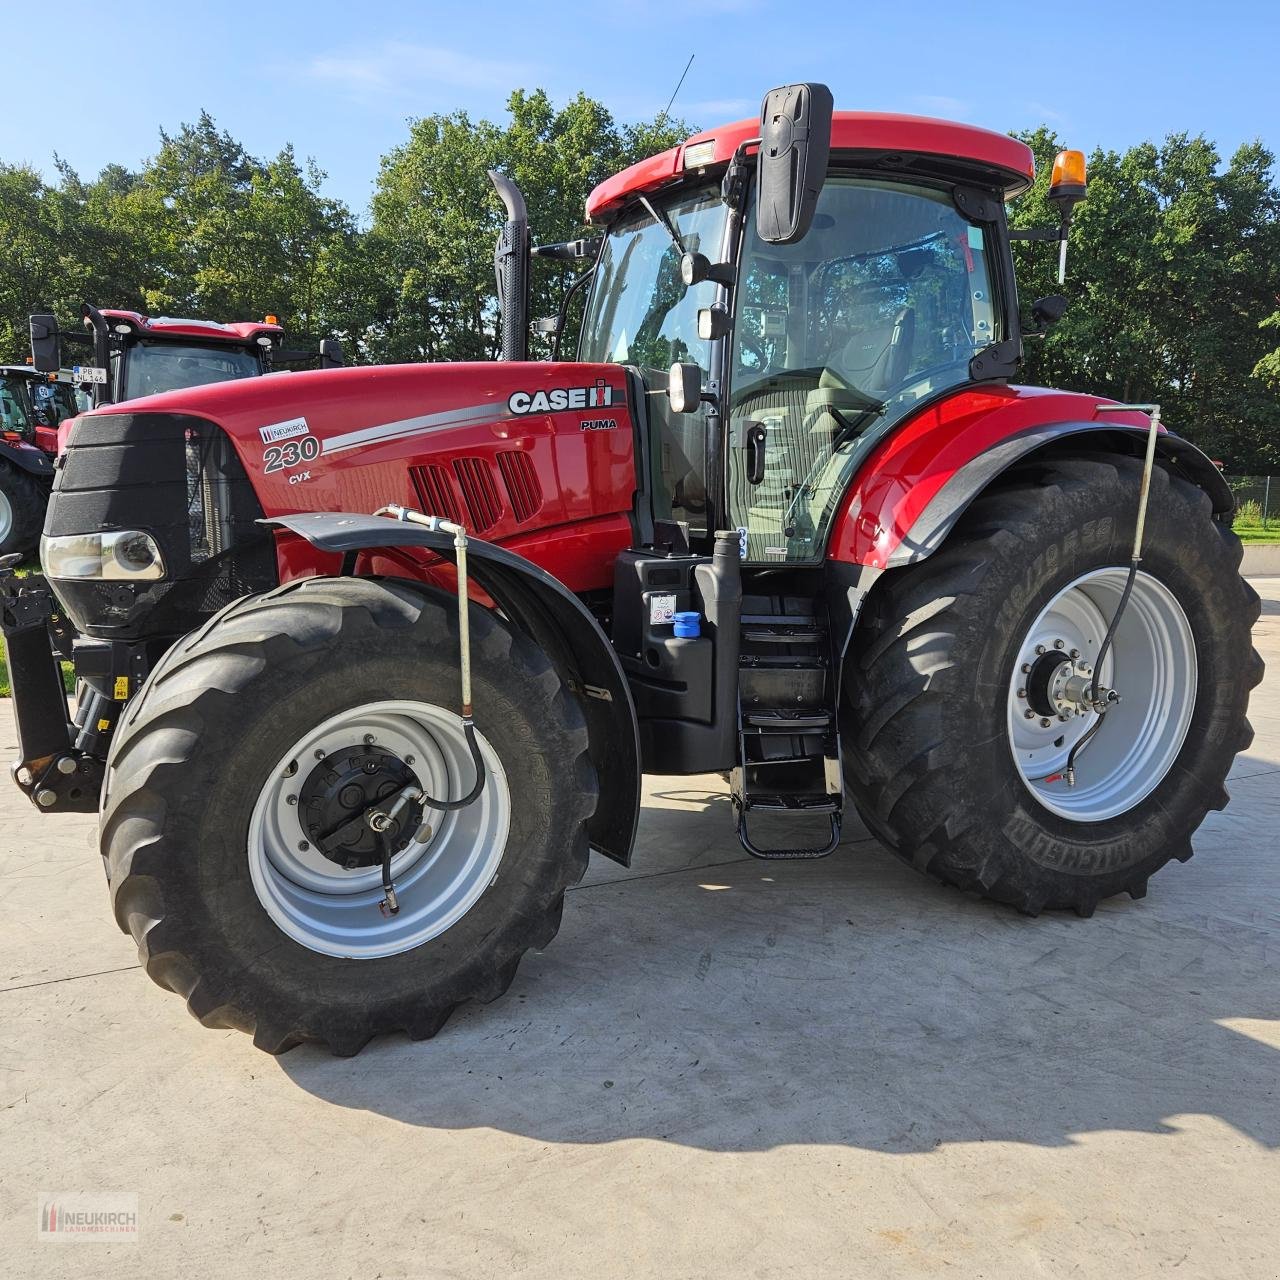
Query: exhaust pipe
[[511, 267]]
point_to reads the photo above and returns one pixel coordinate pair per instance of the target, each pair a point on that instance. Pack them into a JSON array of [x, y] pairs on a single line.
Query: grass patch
[[1253, 535]]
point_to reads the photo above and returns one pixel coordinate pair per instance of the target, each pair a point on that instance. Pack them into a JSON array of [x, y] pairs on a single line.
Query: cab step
[[788, 737]]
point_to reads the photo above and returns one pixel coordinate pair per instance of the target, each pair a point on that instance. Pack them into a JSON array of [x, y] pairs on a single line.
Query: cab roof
[[1010, 163], [205, 330]]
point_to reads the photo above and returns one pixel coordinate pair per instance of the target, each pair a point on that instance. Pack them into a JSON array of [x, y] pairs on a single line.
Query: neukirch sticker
[[278, 431]]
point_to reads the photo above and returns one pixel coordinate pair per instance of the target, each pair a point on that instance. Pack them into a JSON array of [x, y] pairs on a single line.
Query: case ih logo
[[69, 1217], [598, 397]]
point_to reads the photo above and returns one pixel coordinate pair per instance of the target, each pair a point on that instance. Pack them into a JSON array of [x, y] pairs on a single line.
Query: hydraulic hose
[[1144, 493]]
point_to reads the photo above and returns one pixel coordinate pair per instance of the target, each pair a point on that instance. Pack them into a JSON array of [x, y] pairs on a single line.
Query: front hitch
[[54, 773]]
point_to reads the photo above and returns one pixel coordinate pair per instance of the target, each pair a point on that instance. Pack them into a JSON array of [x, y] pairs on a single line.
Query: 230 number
[[290, 454]]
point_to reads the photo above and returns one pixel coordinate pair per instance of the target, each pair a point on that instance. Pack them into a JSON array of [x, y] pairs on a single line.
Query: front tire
[[252, 735], [936, 758]]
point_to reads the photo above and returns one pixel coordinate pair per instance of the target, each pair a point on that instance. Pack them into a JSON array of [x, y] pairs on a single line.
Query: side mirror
[[331, 354], [684, 388], [791, 165], [1048, 311], [46, 348]]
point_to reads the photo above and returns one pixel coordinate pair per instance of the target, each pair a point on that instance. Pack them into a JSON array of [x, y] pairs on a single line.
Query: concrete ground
[[719, 1067]]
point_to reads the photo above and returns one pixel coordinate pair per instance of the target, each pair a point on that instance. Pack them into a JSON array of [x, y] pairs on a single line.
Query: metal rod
[[436, 524]]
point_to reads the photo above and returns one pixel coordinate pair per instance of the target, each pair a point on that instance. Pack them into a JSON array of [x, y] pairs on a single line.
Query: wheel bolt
[[1075, 653], [1039, 648], [1026, 666], [369, 739], [319, 753], [303, 846], [1044, 722], [291, 799], [408, 759], [1022, 693], [1030, 715], [1058, 644]]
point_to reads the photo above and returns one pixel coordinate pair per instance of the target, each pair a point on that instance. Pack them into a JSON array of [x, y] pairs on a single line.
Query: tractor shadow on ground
[[726, 1004]]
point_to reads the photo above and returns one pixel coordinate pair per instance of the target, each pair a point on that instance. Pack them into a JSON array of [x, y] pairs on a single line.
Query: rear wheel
[[23, 499], [237, 786], [965, 688]]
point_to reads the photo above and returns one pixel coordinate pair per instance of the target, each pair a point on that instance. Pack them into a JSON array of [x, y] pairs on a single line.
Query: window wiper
[[666, 224]]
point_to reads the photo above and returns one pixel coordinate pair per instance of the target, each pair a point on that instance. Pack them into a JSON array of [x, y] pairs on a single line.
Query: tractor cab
[[135, 355], [797, 352]]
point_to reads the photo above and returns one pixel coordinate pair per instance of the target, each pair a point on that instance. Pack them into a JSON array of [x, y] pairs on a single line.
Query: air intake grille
[[435, 492], [478, 492], [521, 479]]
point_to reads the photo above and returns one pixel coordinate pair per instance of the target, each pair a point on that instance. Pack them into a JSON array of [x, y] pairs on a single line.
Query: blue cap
[[688, 625]]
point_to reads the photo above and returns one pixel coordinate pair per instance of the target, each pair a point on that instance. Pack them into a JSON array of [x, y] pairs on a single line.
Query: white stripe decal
[[464, 417]]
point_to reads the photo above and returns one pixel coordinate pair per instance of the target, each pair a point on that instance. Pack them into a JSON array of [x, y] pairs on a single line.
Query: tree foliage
[[1173, 276], [1174, 262]]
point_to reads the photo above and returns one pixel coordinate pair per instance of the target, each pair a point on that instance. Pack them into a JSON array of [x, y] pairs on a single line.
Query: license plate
[[89, 373]]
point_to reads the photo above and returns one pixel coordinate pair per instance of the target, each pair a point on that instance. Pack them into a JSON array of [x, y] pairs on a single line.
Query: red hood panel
[[510, 449]]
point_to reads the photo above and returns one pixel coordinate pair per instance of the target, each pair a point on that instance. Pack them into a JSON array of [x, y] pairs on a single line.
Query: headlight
[[123, 555]]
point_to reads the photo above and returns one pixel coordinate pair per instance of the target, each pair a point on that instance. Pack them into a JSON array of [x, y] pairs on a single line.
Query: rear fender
[[26, 457], [906, 500], [550, 614]]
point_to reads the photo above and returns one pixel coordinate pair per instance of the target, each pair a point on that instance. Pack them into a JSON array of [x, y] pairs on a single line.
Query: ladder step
[[788, 722]]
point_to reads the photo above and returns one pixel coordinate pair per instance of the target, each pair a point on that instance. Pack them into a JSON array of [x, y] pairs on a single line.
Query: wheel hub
[[338, 793]]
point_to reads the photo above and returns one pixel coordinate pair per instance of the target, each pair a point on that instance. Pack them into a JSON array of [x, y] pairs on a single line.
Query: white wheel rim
[[332, 910], [6, 516], [1152, 666]]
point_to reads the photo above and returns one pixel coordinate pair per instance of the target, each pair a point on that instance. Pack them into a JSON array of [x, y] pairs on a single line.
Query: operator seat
[[877, 355]]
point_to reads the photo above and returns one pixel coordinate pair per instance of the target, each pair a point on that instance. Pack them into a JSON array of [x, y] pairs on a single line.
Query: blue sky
[[339, 80]]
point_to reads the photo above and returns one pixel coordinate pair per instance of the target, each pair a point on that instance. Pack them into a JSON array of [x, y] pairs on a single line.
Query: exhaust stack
[[511, 267]]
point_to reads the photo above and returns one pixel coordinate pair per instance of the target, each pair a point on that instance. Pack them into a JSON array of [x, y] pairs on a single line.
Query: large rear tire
[[261, 730], [948, 755], [23, 499]]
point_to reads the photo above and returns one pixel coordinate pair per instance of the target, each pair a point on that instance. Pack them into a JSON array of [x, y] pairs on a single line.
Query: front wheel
[[238, 788], [968, 688]]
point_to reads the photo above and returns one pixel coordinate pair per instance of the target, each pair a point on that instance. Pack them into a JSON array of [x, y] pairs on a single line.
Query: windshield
[[641, 313], [53, 403], [882, 304], [14, 413], [153, 367]]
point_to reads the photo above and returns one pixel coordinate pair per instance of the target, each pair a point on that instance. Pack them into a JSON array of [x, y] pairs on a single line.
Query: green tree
[[436, 218], [1174, 259]]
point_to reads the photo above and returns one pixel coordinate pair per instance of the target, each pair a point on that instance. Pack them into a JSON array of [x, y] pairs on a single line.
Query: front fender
[[916, 484], [547, 611]]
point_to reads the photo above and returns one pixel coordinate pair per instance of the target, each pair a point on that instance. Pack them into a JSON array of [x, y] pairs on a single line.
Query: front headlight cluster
[[123, 555]]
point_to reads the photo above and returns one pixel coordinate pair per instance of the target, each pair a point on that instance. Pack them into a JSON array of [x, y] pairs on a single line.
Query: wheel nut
[[1044, 722], [319, 753], [408, 759], [1026, 666], [1022, 693], [1030, 715], [1058, 644], [1039, 648], [303, 846], [1075, 653], [291, 799], [369, 739]]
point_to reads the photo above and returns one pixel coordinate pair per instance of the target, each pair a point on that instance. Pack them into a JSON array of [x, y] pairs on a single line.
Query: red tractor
[[133, 355], [32, 407], [375, 657]]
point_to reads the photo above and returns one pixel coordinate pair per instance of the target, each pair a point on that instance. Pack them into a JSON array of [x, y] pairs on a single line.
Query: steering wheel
[[755, 346]]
